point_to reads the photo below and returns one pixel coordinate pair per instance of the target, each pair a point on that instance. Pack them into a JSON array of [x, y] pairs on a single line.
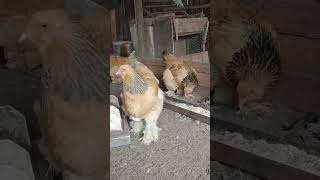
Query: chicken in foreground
[[73, 110], [246, 57], [25, 56], [178, 76], [142, 99]]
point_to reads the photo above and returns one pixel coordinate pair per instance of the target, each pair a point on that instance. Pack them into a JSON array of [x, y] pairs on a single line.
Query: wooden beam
[[255, 164], [170, 7], [138, 4], [205, 37], [113, 24], [222, 123], [169, 105]]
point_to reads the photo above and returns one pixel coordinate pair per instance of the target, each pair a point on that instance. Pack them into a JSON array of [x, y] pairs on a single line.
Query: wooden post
[[138, 6], [113, 24]]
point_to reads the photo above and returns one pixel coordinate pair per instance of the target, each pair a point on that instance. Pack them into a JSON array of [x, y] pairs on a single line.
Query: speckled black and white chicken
[[245, 57]]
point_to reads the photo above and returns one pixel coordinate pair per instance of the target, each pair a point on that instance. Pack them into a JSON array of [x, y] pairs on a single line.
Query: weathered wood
[[168, 104], [205, 37], [256, 165], [162, 34], [113, 24], [201, 57], [190, 26], [224, 123], [172, 7], [140, 26]]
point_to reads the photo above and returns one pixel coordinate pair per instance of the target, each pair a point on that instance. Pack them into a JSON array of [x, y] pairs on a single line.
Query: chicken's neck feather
[[77, 70], [134, 84]]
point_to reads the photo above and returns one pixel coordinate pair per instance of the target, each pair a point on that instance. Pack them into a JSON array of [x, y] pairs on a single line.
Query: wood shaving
[[115, 119], [195, 109], [286, 154]]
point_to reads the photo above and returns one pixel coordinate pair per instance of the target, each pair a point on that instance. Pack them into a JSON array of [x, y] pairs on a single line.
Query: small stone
[[148, 170], [178, 137], [197, 122]]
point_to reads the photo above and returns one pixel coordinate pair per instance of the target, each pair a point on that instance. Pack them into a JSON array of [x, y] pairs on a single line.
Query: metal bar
[[256, 165]]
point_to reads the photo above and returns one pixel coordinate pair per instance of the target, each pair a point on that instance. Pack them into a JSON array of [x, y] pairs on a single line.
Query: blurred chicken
[[179, 76], [21, 56], [245, 55], [124, 50], [142, 100], [115, 63], [73, 110]]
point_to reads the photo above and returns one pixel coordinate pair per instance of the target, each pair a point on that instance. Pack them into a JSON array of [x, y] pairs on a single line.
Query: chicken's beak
[[23, 37], [118, 74]]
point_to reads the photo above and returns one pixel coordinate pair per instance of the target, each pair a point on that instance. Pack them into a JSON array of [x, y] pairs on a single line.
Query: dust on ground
[[182, 152], [282, 153]]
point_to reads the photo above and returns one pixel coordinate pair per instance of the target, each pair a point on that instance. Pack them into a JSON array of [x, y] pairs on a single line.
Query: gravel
[[182, 152]]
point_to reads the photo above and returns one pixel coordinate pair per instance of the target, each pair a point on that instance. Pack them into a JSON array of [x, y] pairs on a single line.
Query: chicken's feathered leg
[[151, 130], [137, 126]]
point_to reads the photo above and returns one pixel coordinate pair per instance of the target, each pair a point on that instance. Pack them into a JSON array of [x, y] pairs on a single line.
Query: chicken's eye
[[44, 25]]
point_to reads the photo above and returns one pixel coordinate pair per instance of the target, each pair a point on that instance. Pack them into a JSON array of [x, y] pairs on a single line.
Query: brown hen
[[179, 76]]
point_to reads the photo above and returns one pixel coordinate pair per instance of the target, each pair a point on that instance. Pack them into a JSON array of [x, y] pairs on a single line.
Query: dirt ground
[[182, 152]]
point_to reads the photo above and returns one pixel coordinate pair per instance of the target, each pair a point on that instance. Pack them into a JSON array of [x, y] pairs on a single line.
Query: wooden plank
[[170, 7], [114, 26], [168, 104], [205, 37], [162, 34], [189, 26], [256, 165], [201, 57], [226, 125]]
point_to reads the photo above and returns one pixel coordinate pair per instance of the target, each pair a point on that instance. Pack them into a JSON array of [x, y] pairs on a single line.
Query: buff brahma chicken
[[179, 76], [142, 98]]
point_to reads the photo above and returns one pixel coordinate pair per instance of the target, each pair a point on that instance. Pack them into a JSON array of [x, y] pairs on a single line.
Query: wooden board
[[189, 26], [227, 121], [169, 105], [162, 34], [255, 164], [201, 57]]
